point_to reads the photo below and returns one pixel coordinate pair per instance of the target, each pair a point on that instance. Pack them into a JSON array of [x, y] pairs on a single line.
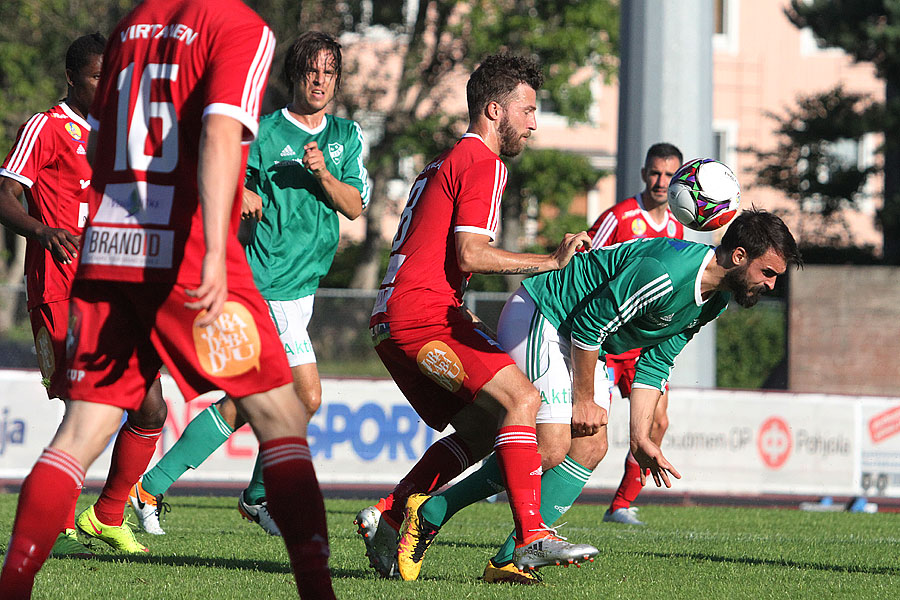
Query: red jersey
[[628, 220], [50, 162], [625, 221], [166, 67], [459, 191]]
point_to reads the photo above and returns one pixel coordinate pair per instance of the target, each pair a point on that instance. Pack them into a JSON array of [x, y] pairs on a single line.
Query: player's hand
[[213, 290], [569, 245], [314, 160], [251, 205], [649, 456], [587, 418], [62, 244]]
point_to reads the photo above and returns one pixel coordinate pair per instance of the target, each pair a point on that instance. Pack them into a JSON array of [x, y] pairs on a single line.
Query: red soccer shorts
[[440, 367], [48, 323], [120, 334], [621, 371]]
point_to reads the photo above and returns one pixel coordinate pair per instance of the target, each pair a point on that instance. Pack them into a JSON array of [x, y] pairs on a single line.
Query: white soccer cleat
[[380, 540], [148, 508], [626, 516], [259, 514], [550, 549]]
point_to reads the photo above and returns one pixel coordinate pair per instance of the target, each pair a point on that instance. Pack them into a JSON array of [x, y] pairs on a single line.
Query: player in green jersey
[[304, 168], [654, 294]]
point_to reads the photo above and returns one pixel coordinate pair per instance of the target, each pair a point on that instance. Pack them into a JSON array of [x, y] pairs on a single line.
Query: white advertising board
[[721, 441]]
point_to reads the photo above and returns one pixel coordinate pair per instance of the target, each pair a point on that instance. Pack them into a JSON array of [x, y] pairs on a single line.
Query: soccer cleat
[[68, 546], [508, 573], [627, 516], [547, 548], [380, 539], [148, 508], [416, 535], [259, 514], [120, 537]]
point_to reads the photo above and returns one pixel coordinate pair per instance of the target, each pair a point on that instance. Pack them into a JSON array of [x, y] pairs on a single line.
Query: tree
[[868, 30]]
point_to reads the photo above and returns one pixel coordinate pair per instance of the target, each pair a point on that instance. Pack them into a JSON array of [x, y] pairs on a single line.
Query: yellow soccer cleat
[[508, 573], [119, 537], [416, 535], [68, 546]]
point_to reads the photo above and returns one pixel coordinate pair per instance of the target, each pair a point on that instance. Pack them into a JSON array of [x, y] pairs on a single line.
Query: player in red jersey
[[48, 164], [163, 278], [641, 216], [449, 370]]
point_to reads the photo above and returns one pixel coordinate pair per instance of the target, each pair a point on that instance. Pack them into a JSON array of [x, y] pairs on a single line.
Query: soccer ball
[[704, 194]]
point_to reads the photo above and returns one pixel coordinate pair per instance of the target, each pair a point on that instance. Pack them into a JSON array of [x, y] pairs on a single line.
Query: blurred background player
[[449, 370], [161, 260], [304, 168], [654, 294], [48, 163], [644, 215]]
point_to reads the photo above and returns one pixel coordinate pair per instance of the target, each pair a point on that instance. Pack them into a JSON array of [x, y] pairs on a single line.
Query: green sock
[[202, 436], [560, 487], [483, 483], [255, 491]]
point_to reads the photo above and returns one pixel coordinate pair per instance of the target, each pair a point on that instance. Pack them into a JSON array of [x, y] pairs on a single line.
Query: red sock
[[444, 460], [520, 463], [295, 503], [47, 494], [132, 453], [630, 486]]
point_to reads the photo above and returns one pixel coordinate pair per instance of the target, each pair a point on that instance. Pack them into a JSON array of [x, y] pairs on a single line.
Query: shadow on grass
[[768, 562]]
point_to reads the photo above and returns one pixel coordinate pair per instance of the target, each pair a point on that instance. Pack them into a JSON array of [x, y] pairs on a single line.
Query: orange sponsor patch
[[230, 346], [439, 362], [46, 359]]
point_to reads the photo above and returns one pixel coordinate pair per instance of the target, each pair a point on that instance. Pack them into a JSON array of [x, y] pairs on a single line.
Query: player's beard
[[736, 282], [512, 142]]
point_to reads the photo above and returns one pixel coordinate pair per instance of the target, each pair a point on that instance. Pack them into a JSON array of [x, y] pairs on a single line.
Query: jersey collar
[[656, 226], [287, 115], [71, 114], [698, 297]]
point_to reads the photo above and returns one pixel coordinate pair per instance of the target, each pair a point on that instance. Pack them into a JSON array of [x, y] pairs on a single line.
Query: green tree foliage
[[750, 345], [869, 30]]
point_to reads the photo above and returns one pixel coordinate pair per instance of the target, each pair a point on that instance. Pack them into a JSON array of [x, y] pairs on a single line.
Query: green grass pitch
[[684, 552]]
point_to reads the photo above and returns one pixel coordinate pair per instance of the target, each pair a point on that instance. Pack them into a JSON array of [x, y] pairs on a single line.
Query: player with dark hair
[[304, 168], [644, 215], [48, 164], [163, 278], [449, 370], [647, 293]]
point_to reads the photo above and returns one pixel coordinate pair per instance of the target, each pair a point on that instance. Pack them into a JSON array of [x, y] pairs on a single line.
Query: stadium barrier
[[722, 441]]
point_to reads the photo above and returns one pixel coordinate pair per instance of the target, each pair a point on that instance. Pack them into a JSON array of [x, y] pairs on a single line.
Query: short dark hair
[[663, 150], [301, 56], [756, 231], [81, 50], [497, 77]]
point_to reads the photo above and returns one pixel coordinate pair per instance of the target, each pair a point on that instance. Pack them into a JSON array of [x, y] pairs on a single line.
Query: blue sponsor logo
[[370, 430], [12, 431]]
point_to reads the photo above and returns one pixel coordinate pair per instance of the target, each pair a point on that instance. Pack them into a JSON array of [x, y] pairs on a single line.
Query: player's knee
[[152, 412], [551, 457]]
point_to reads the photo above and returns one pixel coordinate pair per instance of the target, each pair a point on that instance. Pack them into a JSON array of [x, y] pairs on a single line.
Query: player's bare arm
[[61, 243], [587, 416], [345, 198], [475, 254], [218, 172], [647, 454]]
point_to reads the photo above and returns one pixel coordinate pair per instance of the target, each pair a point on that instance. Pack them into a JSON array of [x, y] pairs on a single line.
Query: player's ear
[[493, 110], [738, 256], [70, 77]]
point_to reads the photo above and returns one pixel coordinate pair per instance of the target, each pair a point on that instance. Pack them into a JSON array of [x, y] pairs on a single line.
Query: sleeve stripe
[[250, 99], [363, 173], [26, 142], [606, 229], [499, 185], [654, 290]]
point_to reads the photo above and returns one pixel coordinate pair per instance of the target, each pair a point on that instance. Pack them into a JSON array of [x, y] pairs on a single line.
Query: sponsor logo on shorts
[[44, 346], [120, 247], [638, 227], [439, 362], [231, 345]]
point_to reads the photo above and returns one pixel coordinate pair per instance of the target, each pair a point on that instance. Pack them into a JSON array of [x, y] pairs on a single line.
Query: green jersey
[[644, 293], [293, 245]]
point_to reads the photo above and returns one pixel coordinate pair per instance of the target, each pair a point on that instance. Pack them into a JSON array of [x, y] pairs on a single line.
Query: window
[[726, 23]]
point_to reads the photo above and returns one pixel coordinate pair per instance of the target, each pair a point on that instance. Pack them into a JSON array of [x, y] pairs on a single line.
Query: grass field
[[684, 552]]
